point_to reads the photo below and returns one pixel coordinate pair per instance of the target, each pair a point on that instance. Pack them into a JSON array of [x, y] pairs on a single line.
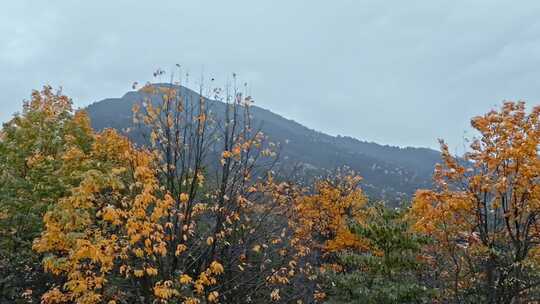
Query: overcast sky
[[395, 72]]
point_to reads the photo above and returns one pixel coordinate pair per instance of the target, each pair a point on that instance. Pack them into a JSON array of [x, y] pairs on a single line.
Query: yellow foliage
[[213, 297], [184, 197], [70, 233], [185, 279], [151, 271], [326, 214], [492, 201], [274, 295], [216, 267]]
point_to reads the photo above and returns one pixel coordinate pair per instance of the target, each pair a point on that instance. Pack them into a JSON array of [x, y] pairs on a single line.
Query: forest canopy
[[203, 213]]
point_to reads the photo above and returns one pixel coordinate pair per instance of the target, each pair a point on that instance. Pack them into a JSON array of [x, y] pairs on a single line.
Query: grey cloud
[[396, 72]]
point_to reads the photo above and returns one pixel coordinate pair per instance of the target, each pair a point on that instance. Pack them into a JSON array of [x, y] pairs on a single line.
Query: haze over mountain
[[390, 173]]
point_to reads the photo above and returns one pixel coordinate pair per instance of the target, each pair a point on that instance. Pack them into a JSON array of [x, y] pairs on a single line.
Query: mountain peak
[[390, 173]]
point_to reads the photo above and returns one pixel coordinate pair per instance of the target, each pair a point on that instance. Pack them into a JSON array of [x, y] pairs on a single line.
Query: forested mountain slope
[[390, 173]]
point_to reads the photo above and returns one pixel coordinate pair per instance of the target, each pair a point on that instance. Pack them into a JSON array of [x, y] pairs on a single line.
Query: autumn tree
[[196, 215], [216, 167], [109, 232], [196, 218], [483, 212], [33, 176], [320, 221]]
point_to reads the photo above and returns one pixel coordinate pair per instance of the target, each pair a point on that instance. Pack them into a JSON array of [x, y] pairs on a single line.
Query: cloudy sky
[[395, 72]]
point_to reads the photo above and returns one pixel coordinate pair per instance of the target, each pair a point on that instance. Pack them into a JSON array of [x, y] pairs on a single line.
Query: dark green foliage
[[390, 272]]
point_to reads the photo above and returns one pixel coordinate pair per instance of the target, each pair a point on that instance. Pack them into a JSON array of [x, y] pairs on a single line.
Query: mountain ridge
[[391, 173]]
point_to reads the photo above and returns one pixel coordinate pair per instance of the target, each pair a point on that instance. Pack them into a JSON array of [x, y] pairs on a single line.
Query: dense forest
[[195, 204]]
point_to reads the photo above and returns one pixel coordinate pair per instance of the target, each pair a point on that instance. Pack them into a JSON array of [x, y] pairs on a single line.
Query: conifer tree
[[389, 271]]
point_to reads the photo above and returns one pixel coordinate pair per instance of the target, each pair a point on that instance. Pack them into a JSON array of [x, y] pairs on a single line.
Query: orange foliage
[[489, 200], [323, 218], [114, 216]]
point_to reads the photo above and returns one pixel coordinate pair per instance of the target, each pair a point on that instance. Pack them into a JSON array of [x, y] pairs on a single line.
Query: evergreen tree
[[389, 272]]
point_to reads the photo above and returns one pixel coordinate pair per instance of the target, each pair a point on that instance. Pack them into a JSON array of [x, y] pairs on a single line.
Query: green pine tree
[[390, 272]]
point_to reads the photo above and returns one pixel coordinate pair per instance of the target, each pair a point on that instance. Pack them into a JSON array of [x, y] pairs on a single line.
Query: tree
[[484, 211], [109, 229], [225, 167], [156, 226], [390, 270], [33, 176], [323, 217], [319, 222]]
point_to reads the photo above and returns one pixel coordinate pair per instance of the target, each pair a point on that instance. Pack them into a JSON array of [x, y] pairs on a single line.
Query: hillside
[[390, 173]]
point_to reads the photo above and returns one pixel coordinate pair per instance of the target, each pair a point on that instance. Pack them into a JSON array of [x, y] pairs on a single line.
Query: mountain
[[390, 173]]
